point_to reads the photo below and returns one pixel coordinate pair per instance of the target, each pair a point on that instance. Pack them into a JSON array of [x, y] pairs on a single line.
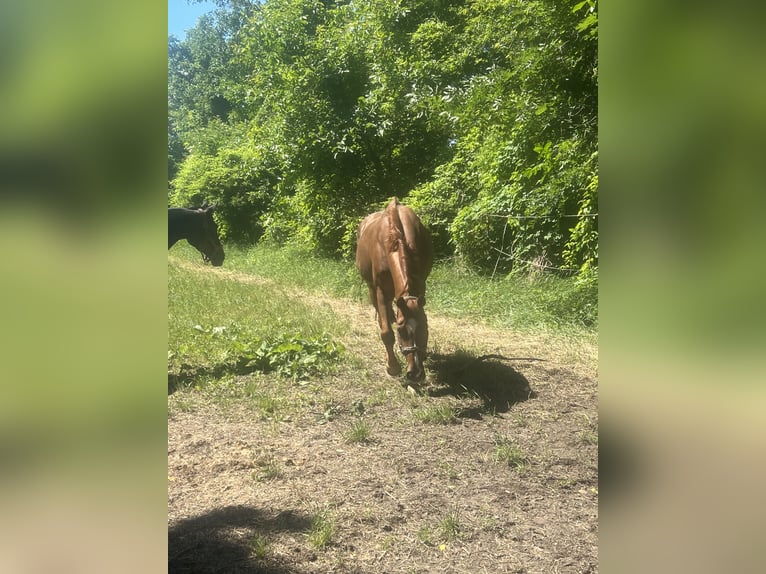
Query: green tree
[[301, 116]]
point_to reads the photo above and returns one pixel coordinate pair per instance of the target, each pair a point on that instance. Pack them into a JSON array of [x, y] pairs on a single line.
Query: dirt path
[[426, 493]]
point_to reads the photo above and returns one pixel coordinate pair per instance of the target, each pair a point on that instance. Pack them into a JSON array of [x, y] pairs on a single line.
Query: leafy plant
[[289, 355]]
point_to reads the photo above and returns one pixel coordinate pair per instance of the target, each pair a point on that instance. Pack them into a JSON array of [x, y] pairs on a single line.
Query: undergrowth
[[290, 355]]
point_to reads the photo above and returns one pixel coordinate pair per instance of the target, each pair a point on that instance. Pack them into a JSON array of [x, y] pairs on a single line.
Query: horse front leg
[[385, 319]]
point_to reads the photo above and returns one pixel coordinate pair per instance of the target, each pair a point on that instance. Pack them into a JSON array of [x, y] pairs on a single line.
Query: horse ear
[[401, 303], [422, 301]]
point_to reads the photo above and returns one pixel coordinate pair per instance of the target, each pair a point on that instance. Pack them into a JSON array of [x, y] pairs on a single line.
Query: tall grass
[[521, 302], [544, 302], [298, 267]]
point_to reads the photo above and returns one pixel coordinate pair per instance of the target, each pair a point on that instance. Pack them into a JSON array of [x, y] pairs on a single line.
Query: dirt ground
[[245, 490]]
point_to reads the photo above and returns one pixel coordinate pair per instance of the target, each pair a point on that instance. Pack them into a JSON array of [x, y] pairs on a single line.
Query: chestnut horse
[[394, 256], [198, 227]]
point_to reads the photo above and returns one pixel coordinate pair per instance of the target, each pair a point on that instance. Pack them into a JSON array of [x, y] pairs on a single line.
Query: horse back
[[394, 232]]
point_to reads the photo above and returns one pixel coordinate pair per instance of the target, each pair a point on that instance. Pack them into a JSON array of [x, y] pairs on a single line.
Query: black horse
[[198, 227]]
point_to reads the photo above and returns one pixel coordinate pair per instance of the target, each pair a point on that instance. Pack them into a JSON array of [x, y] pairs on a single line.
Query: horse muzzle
[[216, 258], [415, 371]]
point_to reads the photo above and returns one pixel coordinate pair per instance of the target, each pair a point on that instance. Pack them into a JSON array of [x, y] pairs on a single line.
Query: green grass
[[441, 414], [268, 469], [322, 528], [526, 303], [426, 536], [296, 266], [217, 324], [260, 546], [507, 452], [537, 303], [359, 432], [446, 530], [449, 471], [587, 436], [267, 405], [449, 526], [251, 316]]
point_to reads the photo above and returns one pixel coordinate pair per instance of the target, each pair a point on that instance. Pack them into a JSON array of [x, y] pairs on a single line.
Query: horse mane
[[395, 230], [397, 243]]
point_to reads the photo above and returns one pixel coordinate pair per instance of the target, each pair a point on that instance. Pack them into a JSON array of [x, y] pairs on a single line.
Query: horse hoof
[[394, 372]]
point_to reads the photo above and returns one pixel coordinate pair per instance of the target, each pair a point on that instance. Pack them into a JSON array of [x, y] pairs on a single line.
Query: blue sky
[[183, 16]]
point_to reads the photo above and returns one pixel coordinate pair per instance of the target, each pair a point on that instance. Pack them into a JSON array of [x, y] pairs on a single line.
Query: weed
[[186, 405], [489, 524], [388, 542], [447, 529], [521, 420], [587, 436], [449, 526], [329, 414], [268, 470], [449, 470], [268, 406], [425, 535], [322, 528], [441, 414], [291, 355], [359, 432], [507, 452], [260, 546]]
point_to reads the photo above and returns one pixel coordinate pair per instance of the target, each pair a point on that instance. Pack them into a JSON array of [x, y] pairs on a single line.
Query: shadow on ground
[[187, 374], [488, 378], [220, 541]]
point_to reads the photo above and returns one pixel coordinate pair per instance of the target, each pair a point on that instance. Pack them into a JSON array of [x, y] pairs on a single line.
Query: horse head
[[205, 238]]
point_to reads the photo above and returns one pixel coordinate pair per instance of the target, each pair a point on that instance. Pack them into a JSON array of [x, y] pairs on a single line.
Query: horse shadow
[[213, 542], [466, 376]]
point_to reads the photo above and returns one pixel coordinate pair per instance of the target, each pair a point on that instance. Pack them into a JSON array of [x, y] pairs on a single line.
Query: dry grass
[[421, 496]]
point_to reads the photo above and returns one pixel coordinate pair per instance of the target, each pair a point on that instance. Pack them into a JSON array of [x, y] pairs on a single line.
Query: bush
[[237, 180]]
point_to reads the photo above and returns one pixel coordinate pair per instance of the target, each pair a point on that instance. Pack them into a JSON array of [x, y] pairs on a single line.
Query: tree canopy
[[298, 117]]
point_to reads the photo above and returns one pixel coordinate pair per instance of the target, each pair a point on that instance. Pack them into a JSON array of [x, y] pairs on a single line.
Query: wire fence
[[541, 216]]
